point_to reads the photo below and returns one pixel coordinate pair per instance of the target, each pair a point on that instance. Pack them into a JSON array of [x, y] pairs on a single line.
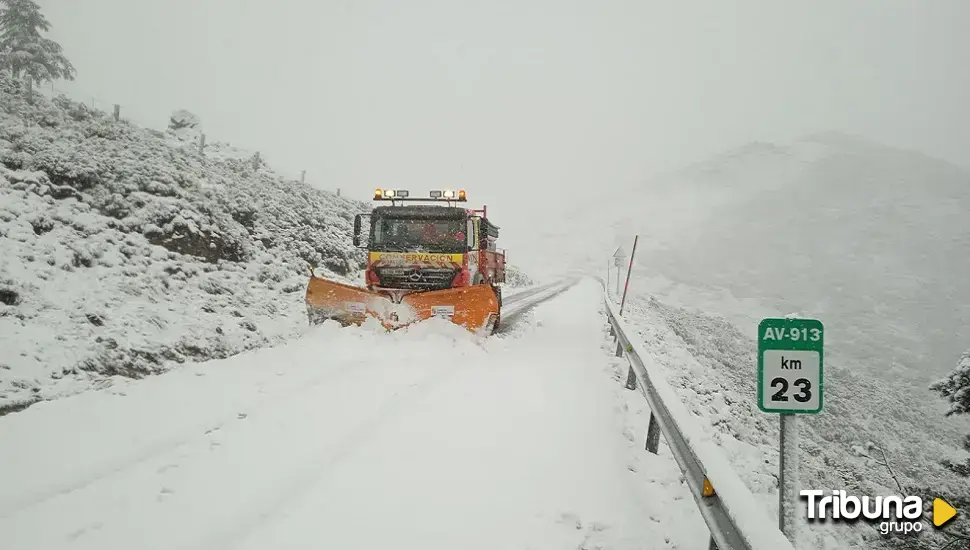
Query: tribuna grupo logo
[[894, 513]]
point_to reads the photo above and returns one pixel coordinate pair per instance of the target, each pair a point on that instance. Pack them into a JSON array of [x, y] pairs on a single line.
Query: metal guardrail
[[514, 304], [728, 507], [523, 294]]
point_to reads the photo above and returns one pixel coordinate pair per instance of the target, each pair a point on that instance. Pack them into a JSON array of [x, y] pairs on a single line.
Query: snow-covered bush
[[956, 389], [184, 125], [516, 278], [125, 251]]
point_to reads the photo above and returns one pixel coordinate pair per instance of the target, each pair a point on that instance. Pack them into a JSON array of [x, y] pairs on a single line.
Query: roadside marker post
[[618, 256], [628, 271], [789, 383]]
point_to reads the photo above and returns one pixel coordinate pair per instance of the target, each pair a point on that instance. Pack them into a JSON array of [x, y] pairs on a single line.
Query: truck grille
[[428, 278]]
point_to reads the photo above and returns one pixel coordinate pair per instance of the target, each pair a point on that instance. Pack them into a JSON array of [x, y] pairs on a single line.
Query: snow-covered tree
[[956, 389], [23, 51]]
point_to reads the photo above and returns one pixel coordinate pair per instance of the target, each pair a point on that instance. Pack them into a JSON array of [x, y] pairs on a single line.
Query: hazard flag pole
[[628, 270]]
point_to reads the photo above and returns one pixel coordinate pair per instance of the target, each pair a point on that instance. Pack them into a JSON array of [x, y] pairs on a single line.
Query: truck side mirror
[[470, 235], [357, 230]]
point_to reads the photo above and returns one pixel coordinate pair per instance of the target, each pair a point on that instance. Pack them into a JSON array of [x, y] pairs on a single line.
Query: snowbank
[[124, 251], [515, 278]]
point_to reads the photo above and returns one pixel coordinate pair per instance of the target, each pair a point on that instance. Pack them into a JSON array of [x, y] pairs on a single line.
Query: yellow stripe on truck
[[413, 257]]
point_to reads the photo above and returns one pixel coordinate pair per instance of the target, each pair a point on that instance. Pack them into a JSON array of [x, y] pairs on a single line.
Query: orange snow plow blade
[[346, 304], [473, 307]]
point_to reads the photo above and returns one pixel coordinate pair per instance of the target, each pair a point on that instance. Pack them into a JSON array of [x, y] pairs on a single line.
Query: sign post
[[628, 271], [606, 284], [618, 255], [789, 383]]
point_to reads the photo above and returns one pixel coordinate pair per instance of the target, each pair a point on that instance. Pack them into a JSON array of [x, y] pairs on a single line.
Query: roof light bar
[[449, 195], [395, 195]]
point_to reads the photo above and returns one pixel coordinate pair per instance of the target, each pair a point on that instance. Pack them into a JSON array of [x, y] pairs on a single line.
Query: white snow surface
[[354, 438]]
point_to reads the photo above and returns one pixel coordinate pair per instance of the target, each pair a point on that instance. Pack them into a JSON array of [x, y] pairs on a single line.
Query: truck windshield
[[418, 235]]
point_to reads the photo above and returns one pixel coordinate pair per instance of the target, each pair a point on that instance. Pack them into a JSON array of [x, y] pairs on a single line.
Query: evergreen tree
[[956, 389], [23, 51]]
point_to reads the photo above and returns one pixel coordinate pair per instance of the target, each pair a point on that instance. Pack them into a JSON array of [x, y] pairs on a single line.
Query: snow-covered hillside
[[124, 250], [876, 241]]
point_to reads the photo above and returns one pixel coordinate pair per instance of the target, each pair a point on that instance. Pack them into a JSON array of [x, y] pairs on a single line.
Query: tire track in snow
[[318, 465], [510, 320]]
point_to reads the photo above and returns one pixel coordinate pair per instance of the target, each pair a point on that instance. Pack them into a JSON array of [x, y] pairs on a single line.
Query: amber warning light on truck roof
[[390, 193]]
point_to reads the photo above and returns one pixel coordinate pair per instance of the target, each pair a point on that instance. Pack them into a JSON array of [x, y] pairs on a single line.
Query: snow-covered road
[[349, 438]]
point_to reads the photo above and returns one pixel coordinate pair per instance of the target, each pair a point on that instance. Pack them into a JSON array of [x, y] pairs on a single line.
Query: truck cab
[[425, 247], [423, 261]]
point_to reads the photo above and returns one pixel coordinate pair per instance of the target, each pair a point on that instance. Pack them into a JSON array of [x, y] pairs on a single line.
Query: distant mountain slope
[[873, 240], [123, 250]]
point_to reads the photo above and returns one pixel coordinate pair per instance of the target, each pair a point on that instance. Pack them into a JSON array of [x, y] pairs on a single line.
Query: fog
[[522, 103]]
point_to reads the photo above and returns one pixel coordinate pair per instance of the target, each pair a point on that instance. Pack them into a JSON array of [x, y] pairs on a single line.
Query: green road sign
[[790, 365]]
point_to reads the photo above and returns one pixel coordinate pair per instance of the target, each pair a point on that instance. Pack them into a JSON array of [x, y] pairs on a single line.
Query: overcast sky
[[514, 99]]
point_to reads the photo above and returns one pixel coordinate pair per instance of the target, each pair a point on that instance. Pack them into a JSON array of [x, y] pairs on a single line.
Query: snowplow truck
[[436, 259]]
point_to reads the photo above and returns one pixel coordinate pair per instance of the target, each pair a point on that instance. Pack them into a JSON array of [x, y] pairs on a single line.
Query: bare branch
[[891, 472]]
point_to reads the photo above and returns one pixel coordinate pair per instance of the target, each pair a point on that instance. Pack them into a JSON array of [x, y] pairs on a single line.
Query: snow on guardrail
[[733, 515]]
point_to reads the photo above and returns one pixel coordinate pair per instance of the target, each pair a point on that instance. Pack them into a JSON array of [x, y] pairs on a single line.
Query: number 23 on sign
[[790, 365]]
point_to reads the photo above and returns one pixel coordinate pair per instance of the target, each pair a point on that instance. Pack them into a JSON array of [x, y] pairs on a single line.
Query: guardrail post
[[631, 379], [619, 348], [653, 436], [788, 475], [712, 545]]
